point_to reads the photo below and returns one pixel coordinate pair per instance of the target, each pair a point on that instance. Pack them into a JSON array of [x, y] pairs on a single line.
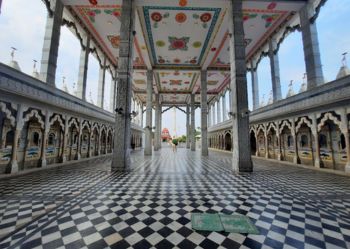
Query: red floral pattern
[[93, 2], [206, 17], [271, 6], [182, 3], [156, 16], [181, 17]]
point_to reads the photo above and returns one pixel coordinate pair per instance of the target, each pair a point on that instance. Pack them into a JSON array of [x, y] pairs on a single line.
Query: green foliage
[[175, 141]]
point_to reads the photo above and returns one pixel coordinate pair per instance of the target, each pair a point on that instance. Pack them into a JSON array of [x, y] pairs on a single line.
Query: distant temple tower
[[165, 135]]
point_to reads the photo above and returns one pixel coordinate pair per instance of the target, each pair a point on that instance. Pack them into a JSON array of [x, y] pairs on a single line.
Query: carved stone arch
[[227, 132], [302, 121], [285, 123], [270, 126], [87, 124], [75, 122], [34, 114], [330, 116], [95, 126], [252, 128], [109, 129], [103, 128], [56, 117], [8, 113], [260, 128]]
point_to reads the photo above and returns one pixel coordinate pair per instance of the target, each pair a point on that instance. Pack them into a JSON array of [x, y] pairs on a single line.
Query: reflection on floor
[[87, 206]]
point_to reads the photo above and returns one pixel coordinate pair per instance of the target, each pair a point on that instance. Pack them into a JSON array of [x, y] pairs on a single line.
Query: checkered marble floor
[[87, 206]]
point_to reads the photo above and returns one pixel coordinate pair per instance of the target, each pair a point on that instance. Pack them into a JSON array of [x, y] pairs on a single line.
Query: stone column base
[[347, 167], [13, 167]]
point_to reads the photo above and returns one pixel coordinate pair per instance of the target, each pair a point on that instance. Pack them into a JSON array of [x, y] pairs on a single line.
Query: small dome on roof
[[344, 71]]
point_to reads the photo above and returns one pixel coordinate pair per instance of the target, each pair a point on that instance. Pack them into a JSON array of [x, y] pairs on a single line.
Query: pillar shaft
[[160, 127], [275, 71], [121, 152], [101, 85], [148, 130], [83, 69], [209, 116], [296, 158], [241, 143], [255, 85], [204, 114], [78, 155], [43, 162], [141, 117], [311, 49], [230, 102], [113, 94], [51, 43], [224, 111], [314, 131], [18, 129], [188, 127], [157, 132], [218, 111], [214, 114], [65, 139], [193, 126]]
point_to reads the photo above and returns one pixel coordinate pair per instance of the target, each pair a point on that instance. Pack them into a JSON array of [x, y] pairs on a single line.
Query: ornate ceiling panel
[[179, 36], [176, 81], [174, 98]]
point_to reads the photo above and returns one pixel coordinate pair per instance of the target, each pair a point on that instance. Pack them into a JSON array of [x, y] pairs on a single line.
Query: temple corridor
[[85, 205]]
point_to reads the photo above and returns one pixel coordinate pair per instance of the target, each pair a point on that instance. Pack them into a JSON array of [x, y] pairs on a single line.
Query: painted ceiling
[[178, 38]]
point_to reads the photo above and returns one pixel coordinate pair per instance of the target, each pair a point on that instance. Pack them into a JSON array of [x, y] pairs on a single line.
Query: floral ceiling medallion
[[178, 43], [181, 17], [182, 3]]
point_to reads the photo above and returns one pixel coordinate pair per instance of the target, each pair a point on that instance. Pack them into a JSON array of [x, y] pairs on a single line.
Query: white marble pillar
[[65, 139], [18, 129], [101, 85], [113, 93], [188, 127], [51, 43], [214, 113], [43, 161], [121, 152], [157, 130], [83, 69], [141, 115], [314, 131], [148, 129], [312, 54], [255, 84], [204, 114], [209, 116], [160, 126], [275, 70], [218, 111], [224, 111], [193, 123], [241, 157], [230, 102]]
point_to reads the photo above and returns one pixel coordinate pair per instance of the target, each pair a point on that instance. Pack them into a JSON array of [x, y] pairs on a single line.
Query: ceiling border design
[[78, 8]]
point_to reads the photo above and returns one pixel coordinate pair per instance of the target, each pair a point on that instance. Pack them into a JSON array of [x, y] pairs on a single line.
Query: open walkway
[[86, 206]]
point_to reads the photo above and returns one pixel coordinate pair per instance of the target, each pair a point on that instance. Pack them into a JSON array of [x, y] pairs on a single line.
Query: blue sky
[[333, 30]]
